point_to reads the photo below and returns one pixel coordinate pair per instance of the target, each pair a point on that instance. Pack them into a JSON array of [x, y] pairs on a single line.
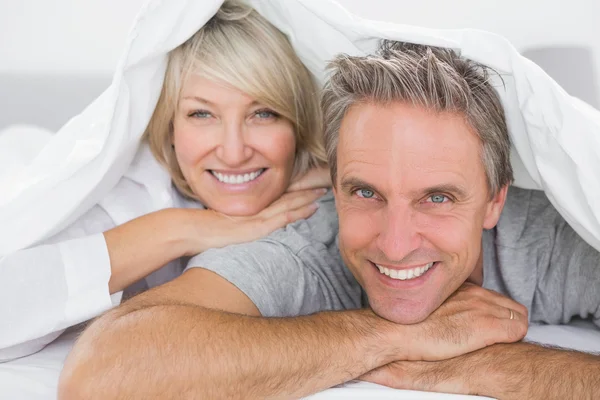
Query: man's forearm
[[179, 350], [531, 371], [503, 371]]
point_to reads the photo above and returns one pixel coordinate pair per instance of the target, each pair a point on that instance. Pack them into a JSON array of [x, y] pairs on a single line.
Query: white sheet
[[35, 377]]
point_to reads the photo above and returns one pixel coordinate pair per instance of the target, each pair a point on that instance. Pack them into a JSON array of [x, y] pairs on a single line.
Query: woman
[[236, 123]]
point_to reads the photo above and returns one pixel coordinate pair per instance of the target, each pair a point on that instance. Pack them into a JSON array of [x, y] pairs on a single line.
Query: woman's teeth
[[237, 179], [404, 274]]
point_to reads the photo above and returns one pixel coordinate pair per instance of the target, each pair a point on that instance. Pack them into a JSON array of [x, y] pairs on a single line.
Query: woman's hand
[[212, 229], [143, 245], [314, 178]]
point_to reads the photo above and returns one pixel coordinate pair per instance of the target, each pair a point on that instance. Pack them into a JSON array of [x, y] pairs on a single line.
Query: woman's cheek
[[282, 146], [191, 145]]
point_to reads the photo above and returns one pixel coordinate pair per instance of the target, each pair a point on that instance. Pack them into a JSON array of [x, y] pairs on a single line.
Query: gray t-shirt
[[532, 255], [294, 271], [537, 259]]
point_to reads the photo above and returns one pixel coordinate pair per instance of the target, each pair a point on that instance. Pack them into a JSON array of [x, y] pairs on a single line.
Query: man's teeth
[[404, 274], [236, 179]]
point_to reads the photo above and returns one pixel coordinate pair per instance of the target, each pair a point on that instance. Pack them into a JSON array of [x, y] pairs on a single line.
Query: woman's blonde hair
[[242, 49]]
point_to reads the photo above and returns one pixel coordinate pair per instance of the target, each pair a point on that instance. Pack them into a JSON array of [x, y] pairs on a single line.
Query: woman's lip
[[224, 181], [235, 172]]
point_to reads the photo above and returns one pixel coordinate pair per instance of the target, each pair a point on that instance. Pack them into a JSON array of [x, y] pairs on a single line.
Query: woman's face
[[236, 154]]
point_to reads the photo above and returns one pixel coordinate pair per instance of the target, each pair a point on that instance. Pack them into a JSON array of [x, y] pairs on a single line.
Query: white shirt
[[63, 280]]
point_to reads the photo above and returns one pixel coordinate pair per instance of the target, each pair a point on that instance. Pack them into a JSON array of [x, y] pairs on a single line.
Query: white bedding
[[35, 377]]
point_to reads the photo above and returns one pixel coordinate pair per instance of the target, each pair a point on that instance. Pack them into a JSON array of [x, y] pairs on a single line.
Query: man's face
[[412, 198]]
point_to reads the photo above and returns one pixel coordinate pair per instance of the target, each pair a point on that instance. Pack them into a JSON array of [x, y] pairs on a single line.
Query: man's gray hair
[[433, 78]]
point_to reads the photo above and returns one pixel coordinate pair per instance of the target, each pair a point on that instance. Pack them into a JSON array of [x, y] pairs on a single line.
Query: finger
[[440, 376], [511, 330], [510, 304], [379, 377], [496, 298], [287, 217], [314, 178], [391, 375], [292, 201], [507, 313], [497, 327], [489, 314]]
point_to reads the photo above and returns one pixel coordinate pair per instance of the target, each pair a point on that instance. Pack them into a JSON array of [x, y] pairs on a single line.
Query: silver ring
[[512, 314]]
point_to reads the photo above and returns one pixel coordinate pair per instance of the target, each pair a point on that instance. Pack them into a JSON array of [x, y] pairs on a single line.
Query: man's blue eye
[[437, 198], [365, 193]]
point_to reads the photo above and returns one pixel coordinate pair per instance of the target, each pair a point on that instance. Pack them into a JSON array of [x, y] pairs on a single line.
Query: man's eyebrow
[[456, 190], [351, 183]]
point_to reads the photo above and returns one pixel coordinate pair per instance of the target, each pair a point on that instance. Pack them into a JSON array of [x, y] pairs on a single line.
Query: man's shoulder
[[308, 241], [528, 217], [296, 270]]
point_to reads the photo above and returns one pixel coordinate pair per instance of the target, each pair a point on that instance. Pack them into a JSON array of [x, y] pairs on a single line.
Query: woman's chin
[[239, 208]]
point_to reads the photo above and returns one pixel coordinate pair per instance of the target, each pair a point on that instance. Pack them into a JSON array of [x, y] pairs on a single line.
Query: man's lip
[[404, 278], [403, 267]]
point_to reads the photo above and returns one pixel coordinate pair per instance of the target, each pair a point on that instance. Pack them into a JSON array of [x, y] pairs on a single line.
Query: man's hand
[[429, 376], [470, 319], [504, 371]]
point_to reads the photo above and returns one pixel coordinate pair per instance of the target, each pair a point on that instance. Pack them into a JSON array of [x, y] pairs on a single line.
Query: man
[[419, 152]]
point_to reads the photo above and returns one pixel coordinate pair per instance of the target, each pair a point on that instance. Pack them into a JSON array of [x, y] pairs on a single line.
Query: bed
[[47, 102]]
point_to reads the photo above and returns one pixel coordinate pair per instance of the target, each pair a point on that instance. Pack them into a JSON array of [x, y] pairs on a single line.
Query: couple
[[418, 149]]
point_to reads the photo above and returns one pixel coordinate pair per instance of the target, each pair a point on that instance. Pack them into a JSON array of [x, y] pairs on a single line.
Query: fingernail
[[321, 191], [314, 206]]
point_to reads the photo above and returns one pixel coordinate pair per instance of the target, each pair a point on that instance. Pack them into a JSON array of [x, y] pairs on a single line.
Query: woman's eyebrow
[[198, 99], [210, 103]]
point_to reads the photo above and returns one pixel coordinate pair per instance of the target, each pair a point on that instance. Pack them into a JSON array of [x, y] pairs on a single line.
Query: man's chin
[[403, 314]]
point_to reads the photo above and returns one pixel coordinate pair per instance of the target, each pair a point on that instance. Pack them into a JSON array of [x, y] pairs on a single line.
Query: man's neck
[[476, 276]]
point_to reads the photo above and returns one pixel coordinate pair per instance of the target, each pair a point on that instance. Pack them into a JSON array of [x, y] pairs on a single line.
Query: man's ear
[[494, 208]]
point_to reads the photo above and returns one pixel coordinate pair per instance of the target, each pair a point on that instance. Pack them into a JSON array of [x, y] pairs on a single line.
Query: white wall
[[64, 35], [77, 37], [88, 35]]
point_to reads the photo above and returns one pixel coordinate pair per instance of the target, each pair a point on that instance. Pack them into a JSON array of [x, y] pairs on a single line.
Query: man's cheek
[[358, 228], [449, 235]]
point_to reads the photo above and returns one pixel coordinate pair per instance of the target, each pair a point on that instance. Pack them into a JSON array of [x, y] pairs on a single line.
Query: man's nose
[[399, 236], [234, 150]]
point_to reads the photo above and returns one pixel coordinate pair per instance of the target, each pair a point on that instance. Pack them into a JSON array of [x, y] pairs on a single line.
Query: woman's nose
[[234, 150]]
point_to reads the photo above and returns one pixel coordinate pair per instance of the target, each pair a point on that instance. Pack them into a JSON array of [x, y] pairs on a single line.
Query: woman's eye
[[365, 193], [200, 114], [265, 114], [438, 198]]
